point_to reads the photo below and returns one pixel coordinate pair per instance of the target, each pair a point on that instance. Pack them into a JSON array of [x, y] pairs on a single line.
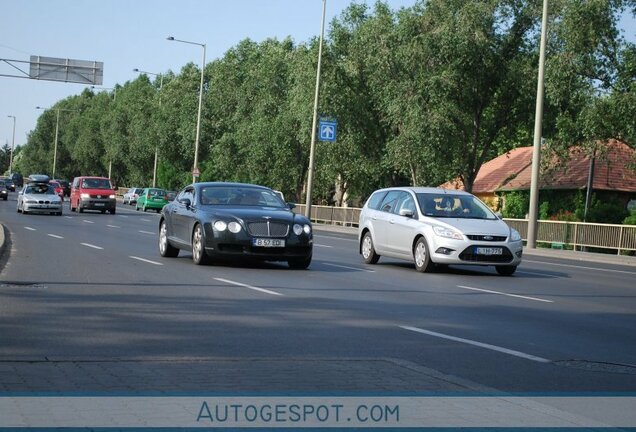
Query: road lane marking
[[321, 245], [478, 344], [336, 238], [581, 267], [504, 294], [55, 236], [146, 232], [29, 228], [145, 260], [87, 221], [91, 246], [263, 290], [113, 226], [348, 268], [121, 215], [145, 220], [68, 217]]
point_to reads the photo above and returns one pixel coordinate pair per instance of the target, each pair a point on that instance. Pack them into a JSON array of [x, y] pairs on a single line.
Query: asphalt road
[[93, 287]]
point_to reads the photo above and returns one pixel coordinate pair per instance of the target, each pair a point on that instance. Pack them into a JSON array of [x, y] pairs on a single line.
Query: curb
[[591, 257], [2, 240]]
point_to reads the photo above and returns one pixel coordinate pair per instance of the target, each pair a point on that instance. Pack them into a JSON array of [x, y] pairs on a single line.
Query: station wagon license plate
[[267, 242], [488, 251], [99, 204]]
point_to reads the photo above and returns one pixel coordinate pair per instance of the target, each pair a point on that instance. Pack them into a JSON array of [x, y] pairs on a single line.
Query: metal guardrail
[[558, 233]]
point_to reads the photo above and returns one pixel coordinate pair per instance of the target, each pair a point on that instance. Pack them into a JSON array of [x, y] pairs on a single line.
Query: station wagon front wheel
[[422, 257]]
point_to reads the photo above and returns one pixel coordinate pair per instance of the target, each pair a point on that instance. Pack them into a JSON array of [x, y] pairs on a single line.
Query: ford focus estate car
[[432, 226]]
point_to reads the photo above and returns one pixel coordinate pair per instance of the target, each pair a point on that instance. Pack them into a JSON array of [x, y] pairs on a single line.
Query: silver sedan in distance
[[432, 226]]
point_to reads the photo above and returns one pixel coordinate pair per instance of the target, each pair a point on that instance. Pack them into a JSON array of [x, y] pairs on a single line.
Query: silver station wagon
[[432, 226]]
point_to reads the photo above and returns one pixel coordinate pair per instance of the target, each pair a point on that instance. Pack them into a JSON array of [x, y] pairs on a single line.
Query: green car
[[152, 198]]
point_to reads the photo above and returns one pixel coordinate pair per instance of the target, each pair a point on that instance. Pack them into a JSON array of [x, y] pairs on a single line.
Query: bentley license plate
[[267, 242], [488, 251]]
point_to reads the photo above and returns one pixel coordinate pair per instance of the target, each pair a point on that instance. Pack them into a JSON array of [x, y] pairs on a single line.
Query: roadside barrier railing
[[557, 234]]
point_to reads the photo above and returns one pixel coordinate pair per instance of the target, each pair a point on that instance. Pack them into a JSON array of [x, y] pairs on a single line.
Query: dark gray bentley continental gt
[[234, 221]]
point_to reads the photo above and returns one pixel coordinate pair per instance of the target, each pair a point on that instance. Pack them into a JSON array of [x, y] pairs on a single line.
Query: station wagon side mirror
[[186, 202], [291, 205], [406, 212]]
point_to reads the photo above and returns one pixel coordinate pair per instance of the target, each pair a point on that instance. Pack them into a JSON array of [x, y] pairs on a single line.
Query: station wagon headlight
[[514, 235], [220, 225], [447, 233], [233, 227], [111, 196], [85, 195]]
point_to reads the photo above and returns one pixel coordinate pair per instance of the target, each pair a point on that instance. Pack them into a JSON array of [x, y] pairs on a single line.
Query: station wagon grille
[[486, 237], [268, 229]]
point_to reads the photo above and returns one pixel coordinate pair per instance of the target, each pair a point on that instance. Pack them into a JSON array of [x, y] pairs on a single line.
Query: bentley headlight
[[514, 235], [220, 225], [307, 229], [447, 233], [298, 229], [233, 227]]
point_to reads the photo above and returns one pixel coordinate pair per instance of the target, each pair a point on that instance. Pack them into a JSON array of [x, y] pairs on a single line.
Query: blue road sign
[[327, 129]]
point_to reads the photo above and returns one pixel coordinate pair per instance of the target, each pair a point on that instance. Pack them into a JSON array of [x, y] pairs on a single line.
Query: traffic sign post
[[327, 130]]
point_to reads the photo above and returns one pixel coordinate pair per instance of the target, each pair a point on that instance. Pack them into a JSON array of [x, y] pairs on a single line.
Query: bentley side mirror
[[186, 202], [291, 205]]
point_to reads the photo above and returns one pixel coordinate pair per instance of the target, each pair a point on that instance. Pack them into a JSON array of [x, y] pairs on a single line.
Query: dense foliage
[[421, 95]]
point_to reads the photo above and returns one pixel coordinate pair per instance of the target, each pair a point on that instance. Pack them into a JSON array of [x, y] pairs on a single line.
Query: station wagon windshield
[[453, 206], [233, 196]]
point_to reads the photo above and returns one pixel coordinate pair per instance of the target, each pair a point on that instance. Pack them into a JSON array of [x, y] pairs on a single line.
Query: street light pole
[[536, 151], [312, 149], [154, 170], [196, 140], [57, 128], [12, 147], [114, 89]]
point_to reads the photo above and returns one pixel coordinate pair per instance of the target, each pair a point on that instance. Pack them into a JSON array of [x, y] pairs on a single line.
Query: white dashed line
[[348, 268], [91, 246], [68, 217], [321, 245], [29, 228], [113, 226], [146, 232], [87, 221], [263, 290], [504, 294], [55, 236], [121, 215], [145, 220], [478, 344], [145, 260]]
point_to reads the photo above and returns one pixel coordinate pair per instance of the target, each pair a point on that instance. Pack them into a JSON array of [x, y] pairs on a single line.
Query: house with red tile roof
[[613, 172]]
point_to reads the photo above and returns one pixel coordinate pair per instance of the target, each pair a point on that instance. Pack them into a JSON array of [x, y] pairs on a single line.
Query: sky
[[128, 34]]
